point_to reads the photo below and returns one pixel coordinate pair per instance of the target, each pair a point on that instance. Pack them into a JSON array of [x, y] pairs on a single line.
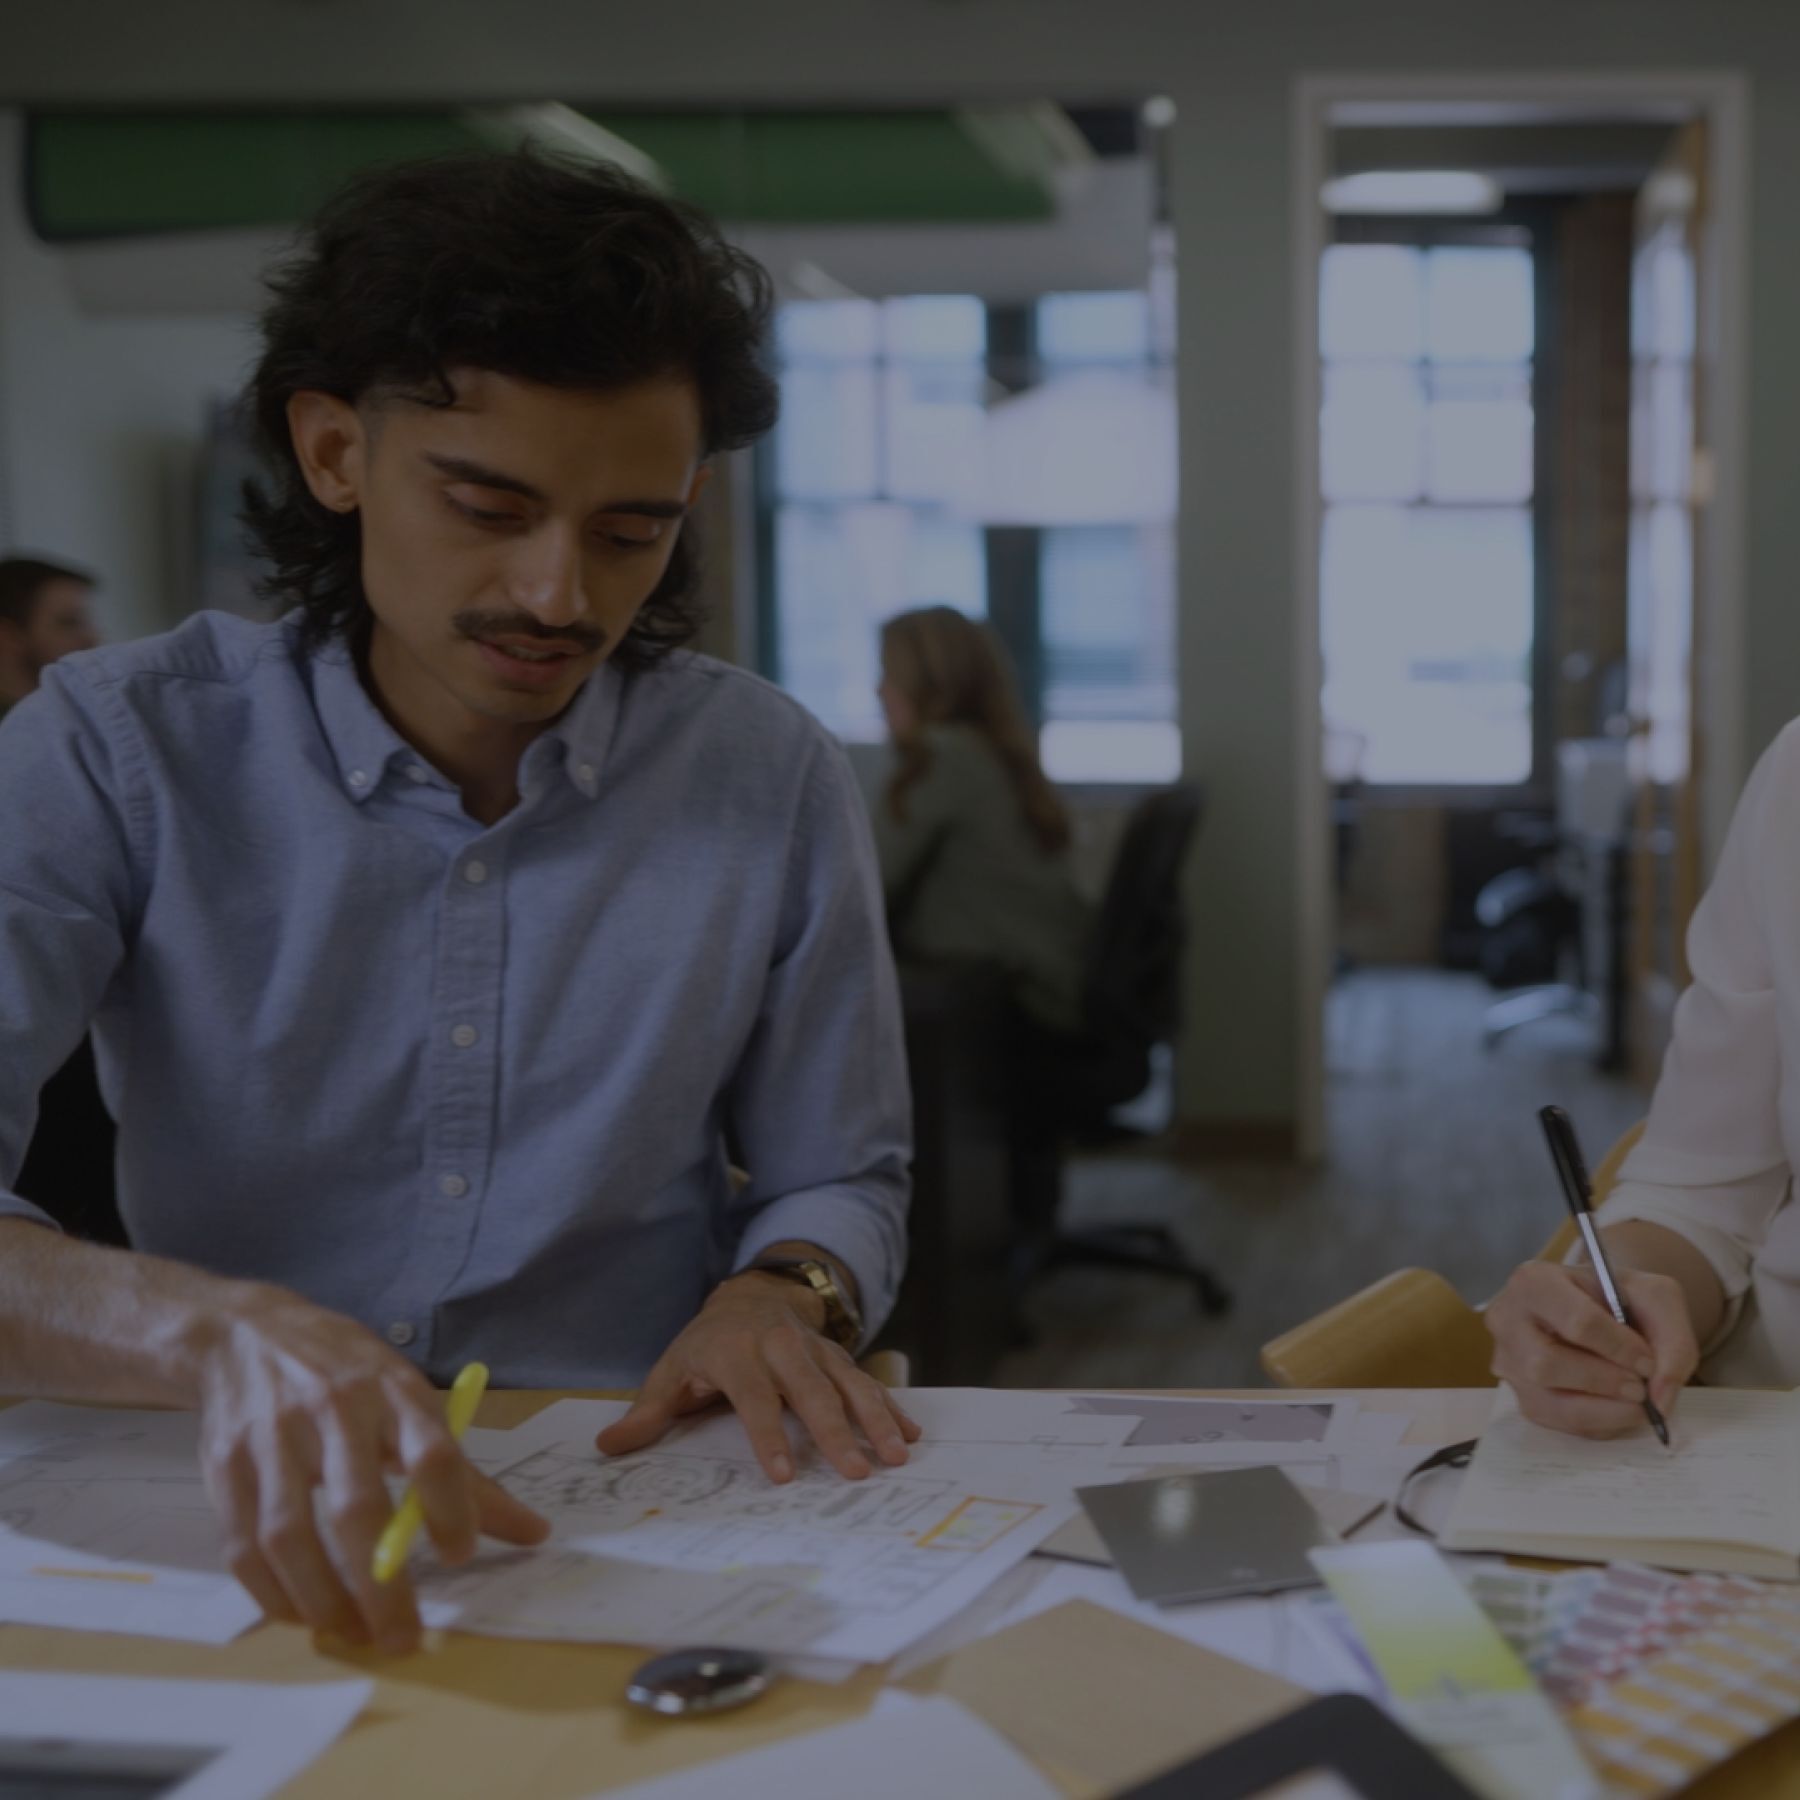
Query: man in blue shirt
[[437, 938]]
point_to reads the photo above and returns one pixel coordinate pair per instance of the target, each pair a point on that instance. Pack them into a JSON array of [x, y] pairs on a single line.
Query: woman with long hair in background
[[973, 839]]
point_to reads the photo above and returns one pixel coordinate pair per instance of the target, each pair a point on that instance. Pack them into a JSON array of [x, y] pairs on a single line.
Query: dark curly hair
[[572, 274]]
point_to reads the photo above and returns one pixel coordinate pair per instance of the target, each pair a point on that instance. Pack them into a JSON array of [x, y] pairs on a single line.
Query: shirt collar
[[361, 741], [585, 730], [364, 745]]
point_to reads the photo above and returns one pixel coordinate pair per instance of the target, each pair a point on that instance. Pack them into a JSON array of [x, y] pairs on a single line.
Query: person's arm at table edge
[[295, 1403], [1698, 1194], [292, 1399], [85, 1321], [818, 1109]]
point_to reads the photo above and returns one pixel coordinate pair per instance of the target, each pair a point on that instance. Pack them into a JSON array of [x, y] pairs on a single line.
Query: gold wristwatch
[[843, 1322]]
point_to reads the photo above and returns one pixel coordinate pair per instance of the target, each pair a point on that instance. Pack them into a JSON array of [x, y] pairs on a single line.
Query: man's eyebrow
[[461, 469]]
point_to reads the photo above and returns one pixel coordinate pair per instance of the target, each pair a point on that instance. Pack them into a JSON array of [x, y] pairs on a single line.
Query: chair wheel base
[[1214, 1300], [1144, 1249]]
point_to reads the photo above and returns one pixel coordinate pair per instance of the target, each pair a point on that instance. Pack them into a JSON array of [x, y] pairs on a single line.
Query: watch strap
[[843, 1324]]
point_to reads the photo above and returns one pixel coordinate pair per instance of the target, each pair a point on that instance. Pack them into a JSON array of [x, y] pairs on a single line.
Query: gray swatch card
[[1208, 1534]]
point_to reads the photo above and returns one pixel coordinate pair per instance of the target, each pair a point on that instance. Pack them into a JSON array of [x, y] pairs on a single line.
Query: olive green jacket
[[965, 878]]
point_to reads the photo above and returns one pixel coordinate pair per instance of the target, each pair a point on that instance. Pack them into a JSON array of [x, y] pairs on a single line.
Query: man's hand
[[295, 1399], [756, 1344], [1573, 1366]]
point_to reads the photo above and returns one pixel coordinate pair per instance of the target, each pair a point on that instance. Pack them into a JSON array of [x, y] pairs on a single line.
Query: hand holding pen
[[1577, 1360], [1578, 1191]]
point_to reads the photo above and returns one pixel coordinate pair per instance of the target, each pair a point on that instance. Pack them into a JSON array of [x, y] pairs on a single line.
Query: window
[[1427, 562], [905, 474], [1662, 458], [1106, 572], [879, 444]]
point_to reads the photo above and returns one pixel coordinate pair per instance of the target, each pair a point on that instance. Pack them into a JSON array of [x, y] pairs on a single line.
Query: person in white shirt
[[1701, 1230]]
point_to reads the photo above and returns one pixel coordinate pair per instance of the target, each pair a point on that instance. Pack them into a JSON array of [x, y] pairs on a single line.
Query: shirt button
[[585, 775], [453, 1185], [463, 1036], [417, 772], [401, 1333], [359, 778], [475, 872]]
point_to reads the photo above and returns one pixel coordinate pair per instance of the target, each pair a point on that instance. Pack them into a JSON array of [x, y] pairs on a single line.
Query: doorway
[[1484, 461]]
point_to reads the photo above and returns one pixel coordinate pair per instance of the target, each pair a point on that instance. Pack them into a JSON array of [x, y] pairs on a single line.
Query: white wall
[[100, 422], [1231, 68]]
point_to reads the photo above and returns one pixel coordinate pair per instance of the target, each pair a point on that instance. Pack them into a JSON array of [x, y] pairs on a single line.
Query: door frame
[[1320, 102]]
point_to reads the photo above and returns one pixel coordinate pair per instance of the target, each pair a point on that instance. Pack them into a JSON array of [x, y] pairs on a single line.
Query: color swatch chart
[[1660, 1676]]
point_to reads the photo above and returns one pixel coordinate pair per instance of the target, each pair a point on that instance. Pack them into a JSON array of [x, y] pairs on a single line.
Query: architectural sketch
[[690, 1539], [106, 1524]]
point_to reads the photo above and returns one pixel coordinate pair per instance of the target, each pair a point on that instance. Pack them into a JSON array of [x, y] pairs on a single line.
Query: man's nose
[[547, 580]]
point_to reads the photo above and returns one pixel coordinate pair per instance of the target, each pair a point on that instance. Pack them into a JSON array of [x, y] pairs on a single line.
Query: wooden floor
[[1435, 1160]]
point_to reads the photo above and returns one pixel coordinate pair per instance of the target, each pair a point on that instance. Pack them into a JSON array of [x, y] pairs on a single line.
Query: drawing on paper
[[163, 1520], [671, 1544], [976, 1525], [586, 1497]]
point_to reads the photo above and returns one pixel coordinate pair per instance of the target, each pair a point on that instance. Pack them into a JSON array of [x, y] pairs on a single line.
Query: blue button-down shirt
[[469, 1084]]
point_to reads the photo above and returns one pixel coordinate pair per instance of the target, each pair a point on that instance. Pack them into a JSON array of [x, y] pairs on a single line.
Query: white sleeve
[[1712, 1165]]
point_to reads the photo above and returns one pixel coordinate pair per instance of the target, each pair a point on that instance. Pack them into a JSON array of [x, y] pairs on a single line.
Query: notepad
[[1724, 1497]]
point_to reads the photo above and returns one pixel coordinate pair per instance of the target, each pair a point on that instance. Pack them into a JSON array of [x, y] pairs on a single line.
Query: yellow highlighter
[[396, 1541]]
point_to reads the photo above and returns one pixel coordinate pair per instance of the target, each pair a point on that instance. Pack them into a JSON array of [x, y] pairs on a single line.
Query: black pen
[[1579, 1192]]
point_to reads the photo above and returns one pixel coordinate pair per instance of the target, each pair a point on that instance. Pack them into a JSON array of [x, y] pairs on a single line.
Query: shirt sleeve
[[66, 897], [1712, 1165], [820, 1107]]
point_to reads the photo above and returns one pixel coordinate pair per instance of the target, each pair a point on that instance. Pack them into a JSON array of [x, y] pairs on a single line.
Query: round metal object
[[686, 1682]]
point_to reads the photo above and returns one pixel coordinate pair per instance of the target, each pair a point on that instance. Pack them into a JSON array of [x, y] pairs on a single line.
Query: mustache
[[480, 625]]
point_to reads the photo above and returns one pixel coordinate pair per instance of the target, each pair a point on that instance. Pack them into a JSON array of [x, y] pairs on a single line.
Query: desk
[[489, 1719]]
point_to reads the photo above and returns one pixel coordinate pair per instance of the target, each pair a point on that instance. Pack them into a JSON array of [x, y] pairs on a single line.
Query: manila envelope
[[1099, 1701]]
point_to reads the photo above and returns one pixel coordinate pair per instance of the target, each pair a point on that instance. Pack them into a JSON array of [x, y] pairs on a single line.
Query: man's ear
[[332, 446], [702, 476]]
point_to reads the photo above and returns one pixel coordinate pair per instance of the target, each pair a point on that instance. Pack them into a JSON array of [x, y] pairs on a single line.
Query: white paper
[[834, 1568], [1000, 1605], [1731, 1476], [898, 1752], [105, 1525], [972, 1436], [1169, 1427], [1200, 1432], [207, 1740], [960, 1423], [490, 1451], [1017, 1429]]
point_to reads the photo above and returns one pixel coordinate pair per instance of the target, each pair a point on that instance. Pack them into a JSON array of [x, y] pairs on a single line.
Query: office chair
[[1064, 1088]]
